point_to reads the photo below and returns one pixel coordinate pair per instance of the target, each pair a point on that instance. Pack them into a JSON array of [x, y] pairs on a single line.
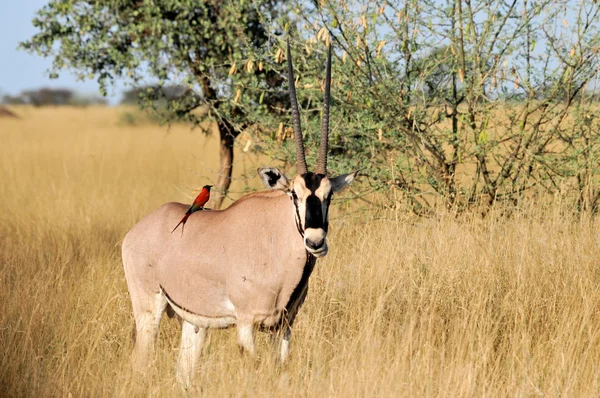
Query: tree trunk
[[227, 135]]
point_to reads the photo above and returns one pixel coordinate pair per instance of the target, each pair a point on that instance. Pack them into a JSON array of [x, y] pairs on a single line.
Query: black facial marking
[[314, 217], [273, 177], [294, 198], [312, 181], [327, 202], [314, 212], [314, 209]]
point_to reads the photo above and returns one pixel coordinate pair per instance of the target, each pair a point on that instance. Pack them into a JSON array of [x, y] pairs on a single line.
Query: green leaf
[[482, 138]]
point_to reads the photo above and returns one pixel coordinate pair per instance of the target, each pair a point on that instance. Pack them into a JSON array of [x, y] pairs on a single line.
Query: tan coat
[[244, 261]]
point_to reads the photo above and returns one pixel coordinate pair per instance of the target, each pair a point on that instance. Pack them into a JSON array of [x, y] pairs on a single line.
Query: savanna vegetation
[[451, 305], [452, 102], [46, 96], [464, 262]]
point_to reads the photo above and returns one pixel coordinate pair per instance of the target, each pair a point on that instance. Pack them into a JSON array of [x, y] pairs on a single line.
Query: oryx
[[247, 265]]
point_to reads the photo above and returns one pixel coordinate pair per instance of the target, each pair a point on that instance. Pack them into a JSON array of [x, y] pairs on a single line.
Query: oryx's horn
[[300, 157], [322, 160]]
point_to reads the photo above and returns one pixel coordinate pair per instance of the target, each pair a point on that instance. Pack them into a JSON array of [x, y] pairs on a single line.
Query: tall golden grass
[[401, 306]]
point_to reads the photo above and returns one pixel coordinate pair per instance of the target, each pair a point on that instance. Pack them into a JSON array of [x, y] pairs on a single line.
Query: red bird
[[198, 204]]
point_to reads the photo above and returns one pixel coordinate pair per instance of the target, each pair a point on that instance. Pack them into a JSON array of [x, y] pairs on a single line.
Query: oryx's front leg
[[246, 336], [285, 344], [280, 339], [192, 340]]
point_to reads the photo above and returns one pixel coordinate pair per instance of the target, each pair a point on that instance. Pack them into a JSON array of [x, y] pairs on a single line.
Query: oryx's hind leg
[[147, 310], [192, 340]]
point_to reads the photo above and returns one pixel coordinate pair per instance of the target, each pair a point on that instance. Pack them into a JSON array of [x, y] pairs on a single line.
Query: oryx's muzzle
[[315, 241]]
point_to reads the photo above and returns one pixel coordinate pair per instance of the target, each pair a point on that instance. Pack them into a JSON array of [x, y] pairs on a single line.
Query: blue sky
[[20, 70]]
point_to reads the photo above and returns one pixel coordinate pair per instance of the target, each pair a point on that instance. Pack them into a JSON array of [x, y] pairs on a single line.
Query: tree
[[464, 102], [13, 99], [453, 102], [170, 42], [164, 93], [47, 96]]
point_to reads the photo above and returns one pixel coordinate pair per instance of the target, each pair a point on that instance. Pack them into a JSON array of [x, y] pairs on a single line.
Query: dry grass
[[400, 307]]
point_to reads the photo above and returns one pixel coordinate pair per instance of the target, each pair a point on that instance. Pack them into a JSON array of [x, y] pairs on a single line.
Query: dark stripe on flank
[[171, 302]]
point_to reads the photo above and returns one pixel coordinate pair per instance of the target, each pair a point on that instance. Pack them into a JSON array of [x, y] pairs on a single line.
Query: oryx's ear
[[338, 183], [273, 178]]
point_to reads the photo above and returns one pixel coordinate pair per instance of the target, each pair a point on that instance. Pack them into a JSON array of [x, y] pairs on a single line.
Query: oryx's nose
[[315, 244]]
